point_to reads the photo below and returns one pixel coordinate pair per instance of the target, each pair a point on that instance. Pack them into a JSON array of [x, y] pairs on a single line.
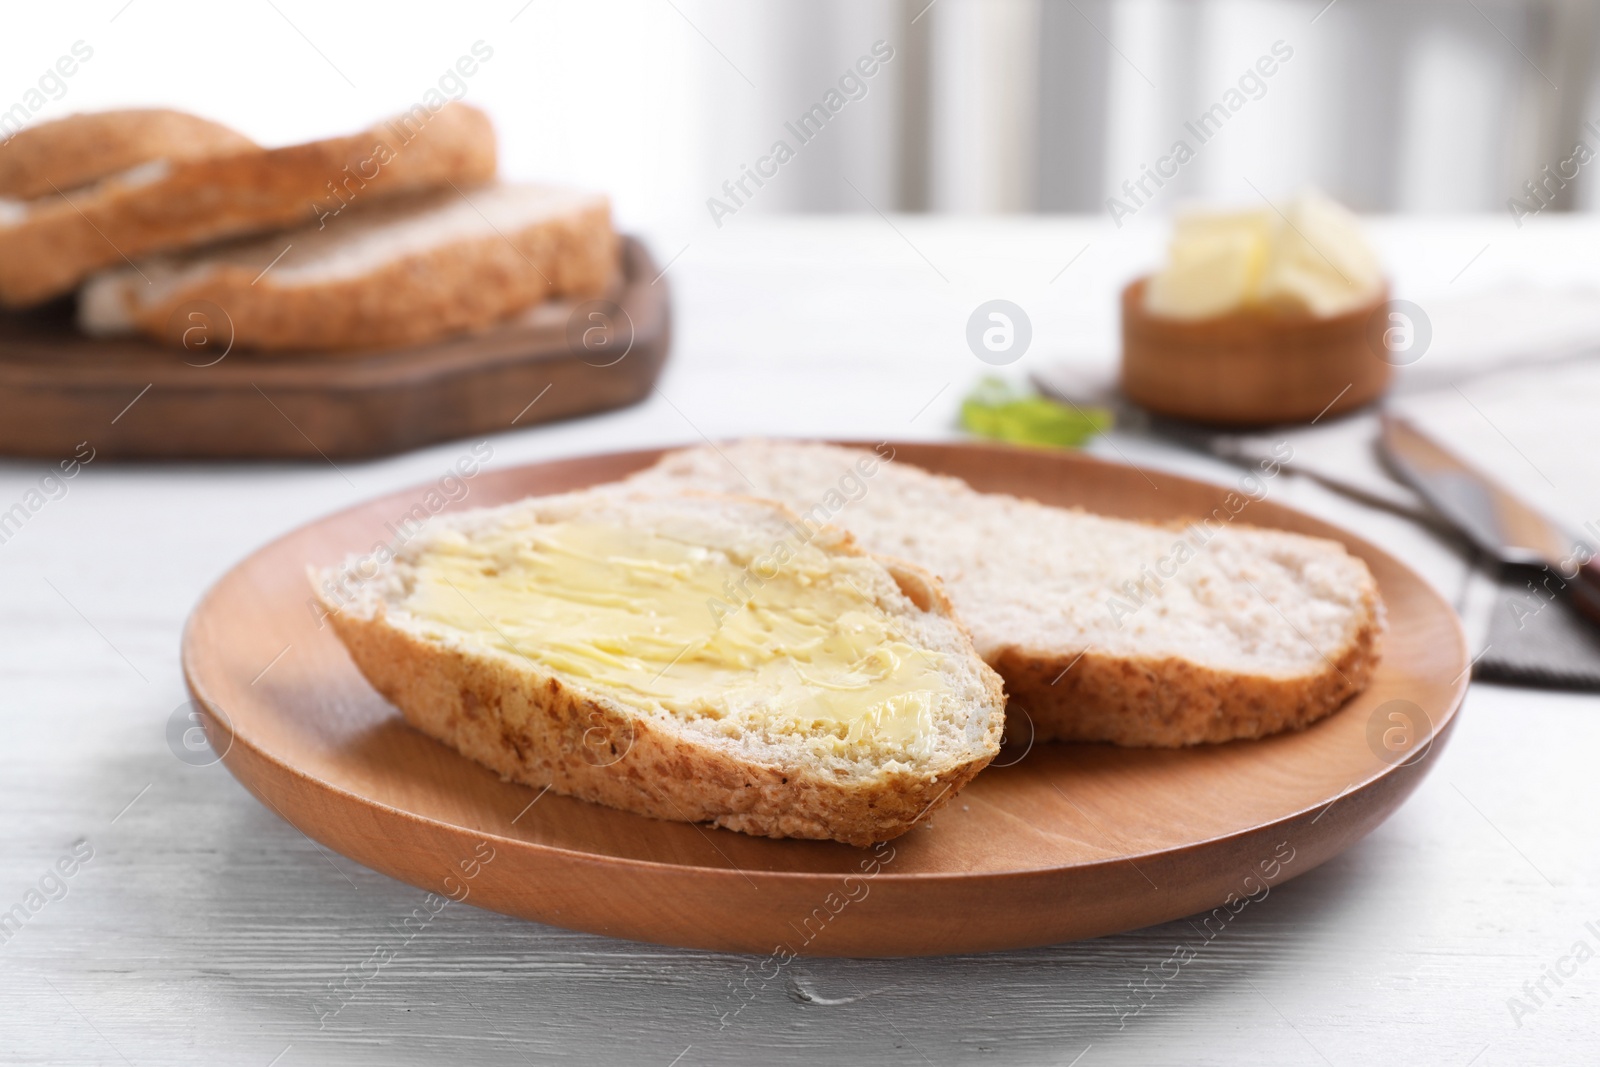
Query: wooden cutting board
[[1051, 842], [136, 399]]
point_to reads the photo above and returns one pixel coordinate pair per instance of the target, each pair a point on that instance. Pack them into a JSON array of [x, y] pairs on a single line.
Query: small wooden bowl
[[1252, 367]]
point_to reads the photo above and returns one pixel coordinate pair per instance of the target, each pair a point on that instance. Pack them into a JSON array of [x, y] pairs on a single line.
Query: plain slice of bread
[[68, 153], [524, 637], [52, 243], [400, 272], [1103, 629]]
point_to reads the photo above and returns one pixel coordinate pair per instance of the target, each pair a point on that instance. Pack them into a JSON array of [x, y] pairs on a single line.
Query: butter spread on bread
[[698, 657], [641, 616]]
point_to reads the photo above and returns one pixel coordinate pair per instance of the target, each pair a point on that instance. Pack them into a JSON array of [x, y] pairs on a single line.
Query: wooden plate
[[133, 398], [1052, 842]]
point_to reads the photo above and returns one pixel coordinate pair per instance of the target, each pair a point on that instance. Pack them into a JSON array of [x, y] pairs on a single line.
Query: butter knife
[[1491, 516]]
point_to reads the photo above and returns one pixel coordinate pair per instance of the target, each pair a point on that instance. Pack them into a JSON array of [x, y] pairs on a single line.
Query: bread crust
[[464, 285], [539, 731], [1172, 702], [523, 721], [71, 152], [63, 239]]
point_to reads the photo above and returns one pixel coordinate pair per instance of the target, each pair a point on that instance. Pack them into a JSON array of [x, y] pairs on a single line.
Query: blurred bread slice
[[49, 245], [69, 153], [403, 272]]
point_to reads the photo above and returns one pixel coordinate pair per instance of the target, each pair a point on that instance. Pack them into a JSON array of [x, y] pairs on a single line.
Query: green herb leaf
[[1001, 412]]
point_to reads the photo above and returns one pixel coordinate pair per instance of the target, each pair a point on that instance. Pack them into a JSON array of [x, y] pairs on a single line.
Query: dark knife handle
[[1585, 590]]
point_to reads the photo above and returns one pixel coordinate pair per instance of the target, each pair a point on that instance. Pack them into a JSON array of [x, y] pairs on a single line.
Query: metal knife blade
[[1491, 516]]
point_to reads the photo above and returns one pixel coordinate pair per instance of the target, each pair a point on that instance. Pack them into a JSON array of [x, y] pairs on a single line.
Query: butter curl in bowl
[[1258, 317]]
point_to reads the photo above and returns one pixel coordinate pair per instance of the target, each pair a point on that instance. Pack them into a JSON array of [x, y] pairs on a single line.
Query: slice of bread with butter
[[690, 657], [1141, 634]]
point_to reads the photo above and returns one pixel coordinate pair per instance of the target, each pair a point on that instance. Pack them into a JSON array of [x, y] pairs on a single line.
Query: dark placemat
[[1535, 638]]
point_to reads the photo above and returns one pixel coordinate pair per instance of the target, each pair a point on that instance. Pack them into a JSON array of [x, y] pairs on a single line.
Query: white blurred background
[[986, 106]]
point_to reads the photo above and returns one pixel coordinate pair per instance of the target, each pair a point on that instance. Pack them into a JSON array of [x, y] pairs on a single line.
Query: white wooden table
[[204, 929]]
